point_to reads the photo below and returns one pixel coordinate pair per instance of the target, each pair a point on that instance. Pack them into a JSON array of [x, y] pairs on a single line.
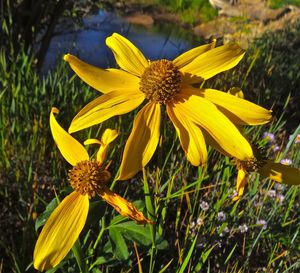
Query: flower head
[[197, 114], [278, 172], [88, 178]]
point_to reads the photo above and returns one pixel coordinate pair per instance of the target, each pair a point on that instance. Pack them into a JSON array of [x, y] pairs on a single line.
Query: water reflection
[[160, 41]]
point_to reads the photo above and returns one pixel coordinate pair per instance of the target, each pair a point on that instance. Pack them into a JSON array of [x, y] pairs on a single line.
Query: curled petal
[[280, 173], [215, 61], [142, 141], [193, 53], [239, 111], [124, 207], [241, 183], [106, 106], [127, 55], [69, 147], [191, 138], [61, 231], [103, 80]]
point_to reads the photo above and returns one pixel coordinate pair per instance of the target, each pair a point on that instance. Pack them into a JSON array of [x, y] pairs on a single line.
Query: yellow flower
[[88, 177], [193, 112], [268, 169]]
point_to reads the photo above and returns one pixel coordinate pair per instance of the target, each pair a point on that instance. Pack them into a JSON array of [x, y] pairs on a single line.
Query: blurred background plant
[[199, 228]]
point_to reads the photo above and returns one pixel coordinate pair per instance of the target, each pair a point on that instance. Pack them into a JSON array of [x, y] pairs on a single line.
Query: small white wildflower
[[221, 216], [234, 194], [193, 224], [200, 221], [262, 223], [297, 139], [204, 205], [286, 161], [224, 231], [243, 228], [272, 193]]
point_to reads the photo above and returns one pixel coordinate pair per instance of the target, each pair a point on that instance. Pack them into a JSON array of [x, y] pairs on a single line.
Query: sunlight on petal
[[238, 110], [106, 106], [241, 183], [280, 173], [61, 231], [222, 130], [69, 147], [190, 136], [142, 141], [215, 61], [190, 55], [124, 207], [103, 80], [127, 55]]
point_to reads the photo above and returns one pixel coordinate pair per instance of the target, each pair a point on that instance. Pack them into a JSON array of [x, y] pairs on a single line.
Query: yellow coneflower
[[170, 83], [88, 178]]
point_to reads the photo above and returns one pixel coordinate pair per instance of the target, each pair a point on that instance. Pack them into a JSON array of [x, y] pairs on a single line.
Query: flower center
[[253, 164], [88, 177], [161, 81]]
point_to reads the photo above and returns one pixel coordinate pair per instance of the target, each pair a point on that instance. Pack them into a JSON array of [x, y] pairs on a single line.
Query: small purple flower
[[262, 223], [279, 187], [275, 148], [204, 206], [286, 161], [280, 197], [269, 137], [221, 216]]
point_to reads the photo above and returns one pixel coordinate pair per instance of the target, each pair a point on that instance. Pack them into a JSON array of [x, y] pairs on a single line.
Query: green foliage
[[275, 4]]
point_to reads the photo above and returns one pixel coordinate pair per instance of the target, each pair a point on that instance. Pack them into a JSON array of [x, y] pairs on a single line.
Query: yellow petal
[[69, 147], [103, 80], [142, 141], [127, 55], [124, 207], [238, 110], [222, 130], [61, 231], [241, 183], [190, 55], [215, 61], [281, 173], [109, 136], [106, 106], [191, 137]]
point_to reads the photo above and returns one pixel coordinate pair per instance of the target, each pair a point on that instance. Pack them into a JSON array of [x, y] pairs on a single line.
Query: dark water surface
[[88, 42]]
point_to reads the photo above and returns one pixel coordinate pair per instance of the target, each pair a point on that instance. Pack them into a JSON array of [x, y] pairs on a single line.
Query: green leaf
[[41, 220], [118, 244]]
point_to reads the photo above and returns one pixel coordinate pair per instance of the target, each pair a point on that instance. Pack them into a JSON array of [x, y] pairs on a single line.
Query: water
[[88, 42]]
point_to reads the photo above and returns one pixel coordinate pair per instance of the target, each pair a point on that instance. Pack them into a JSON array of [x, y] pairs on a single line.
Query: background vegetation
[[199, 228]]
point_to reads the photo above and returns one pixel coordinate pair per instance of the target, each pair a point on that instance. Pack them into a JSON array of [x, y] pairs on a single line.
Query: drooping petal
[[103, 80], [239, 111], [61, 231], [190, 55], [190, 136], [127, 55], [280, 173], [205, 114], [108, 136], [106, 106], [69, 147], [124, 207], [142, 141], [215, 61], [241, 183]]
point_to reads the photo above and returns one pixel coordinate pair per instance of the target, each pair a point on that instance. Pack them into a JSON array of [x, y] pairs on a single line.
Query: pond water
[[88, 42]]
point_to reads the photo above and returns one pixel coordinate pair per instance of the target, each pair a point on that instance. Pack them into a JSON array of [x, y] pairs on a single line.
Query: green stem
[[77, 252], [100, 233]]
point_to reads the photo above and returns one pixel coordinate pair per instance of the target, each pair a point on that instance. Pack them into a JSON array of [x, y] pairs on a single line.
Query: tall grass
[[198, 227]]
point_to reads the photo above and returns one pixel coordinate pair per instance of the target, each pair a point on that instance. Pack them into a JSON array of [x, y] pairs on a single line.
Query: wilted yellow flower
[[267, 168], [88, 178], [193, 112]]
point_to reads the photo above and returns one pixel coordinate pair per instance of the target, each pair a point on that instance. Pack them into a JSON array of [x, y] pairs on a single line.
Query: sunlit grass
[[198, 227]]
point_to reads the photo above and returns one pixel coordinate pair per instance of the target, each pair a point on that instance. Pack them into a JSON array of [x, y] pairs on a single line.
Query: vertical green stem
[[77, 251], [100, 233], [151, 214]]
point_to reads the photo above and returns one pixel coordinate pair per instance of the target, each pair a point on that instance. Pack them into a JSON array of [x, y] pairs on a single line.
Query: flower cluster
[[201, 117]]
